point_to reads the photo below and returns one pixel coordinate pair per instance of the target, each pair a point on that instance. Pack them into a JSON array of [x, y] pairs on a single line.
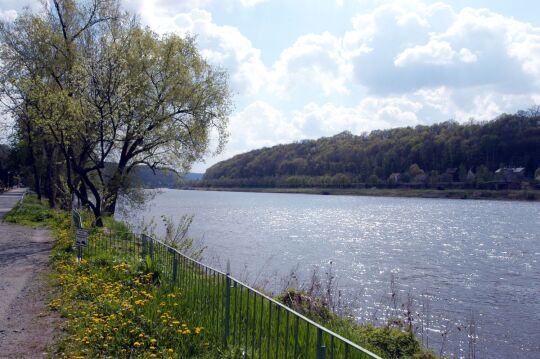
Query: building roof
[[515, 170]]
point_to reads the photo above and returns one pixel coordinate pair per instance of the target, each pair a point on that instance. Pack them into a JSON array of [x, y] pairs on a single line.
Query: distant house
[[394, 178], [511, 174]]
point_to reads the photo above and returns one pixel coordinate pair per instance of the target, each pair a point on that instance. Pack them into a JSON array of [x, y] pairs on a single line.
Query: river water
[[468, 269]]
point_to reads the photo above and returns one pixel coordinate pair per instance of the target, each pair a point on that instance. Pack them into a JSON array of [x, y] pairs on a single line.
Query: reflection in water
[[448, 258]]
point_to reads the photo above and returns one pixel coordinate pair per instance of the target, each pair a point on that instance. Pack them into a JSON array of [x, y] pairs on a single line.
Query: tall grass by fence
[[238, 315]]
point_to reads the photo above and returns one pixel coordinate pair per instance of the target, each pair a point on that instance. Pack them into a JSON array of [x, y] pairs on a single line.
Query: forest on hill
[[504, 150]]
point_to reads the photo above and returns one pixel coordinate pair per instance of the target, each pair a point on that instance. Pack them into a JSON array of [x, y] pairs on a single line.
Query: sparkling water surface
[[460, 261]]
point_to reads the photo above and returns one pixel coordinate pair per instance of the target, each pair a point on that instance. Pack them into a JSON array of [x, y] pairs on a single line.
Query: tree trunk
[[32, 160], [113, 187], [50, 187]]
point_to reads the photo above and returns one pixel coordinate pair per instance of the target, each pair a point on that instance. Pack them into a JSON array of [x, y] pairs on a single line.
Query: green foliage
[[386, 341], [511, 139], [415, 170], [108, 95], [176, 235]]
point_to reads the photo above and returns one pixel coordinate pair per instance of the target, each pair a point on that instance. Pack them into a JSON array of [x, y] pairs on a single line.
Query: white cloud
[[434, 52], [251, 3], [224, 46], [466, 55], [402, 47], [175, 6], [314, 60], [8, 15]]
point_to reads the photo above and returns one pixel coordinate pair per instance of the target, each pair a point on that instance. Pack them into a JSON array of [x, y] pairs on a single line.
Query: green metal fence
[[238, 315]]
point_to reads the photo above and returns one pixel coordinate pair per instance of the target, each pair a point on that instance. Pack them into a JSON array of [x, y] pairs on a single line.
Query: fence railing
[[238, 315]]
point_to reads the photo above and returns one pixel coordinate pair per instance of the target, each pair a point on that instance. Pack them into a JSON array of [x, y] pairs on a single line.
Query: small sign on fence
[[81, 237]]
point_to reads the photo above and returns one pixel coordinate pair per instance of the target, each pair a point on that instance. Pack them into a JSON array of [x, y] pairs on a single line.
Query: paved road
[[26, 328]]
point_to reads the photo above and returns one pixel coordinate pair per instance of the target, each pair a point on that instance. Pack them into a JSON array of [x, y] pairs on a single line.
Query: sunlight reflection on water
[[462, 255]]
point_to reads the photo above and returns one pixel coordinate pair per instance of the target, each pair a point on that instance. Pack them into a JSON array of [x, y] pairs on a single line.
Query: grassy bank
[[509, 195], [122, 306]]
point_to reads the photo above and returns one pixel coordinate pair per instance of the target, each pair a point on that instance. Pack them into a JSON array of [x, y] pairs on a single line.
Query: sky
[[303, 69]]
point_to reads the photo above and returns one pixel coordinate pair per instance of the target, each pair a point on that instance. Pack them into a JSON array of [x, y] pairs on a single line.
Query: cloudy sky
[[310, 68]]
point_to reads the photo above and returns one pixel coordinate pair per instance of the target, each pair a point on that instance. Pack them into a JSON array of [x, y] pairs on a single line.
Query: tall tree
[[113, 95]]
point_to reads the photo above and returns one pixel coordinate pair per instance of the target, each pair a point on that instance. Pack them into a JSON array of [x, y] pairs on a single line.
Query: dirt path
[[26, 329]]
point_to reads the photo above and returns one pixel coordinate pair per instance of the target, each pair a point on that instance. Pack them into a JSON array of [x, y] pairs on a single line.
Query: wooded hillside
[[443, 152]]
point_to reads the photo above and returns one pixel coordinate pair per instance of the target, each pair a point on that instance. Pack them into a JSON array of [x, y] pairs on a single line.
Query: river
[[468, 269]]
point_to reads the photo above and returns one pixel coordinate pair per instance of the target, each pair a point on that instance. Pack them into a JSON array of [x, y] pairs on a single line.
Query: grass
[[31, 212], [120, 302]]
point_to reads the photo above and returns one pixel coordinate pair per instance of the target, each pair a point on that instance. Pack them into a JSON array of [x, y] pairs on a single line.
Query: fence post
[[151, 247], [174, 267], [226, 325], [144, 244], [321, 349], [77, 221]]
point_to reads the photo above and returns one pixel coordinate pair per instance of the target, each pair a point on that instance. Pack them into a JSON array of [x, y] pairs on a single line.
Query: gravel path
[[26, 327]]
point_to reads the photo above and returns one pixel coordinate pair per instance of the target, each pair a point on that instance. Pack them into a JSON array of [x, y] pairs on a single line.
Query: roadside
[[26, 327]]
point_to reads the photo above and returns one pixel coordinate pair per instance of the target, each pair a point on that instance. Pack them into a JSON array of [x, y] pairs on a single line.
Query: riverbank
[[505, 195], [121, 305]]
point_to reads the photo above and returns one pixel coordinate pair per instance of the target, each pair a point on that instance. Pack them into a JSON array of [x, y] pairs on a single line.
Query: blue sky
[[305, 69]]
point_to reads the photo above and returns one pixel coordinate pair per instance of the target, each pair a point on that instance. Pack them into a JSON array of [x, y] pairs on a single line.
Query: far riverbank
[[509, 195]]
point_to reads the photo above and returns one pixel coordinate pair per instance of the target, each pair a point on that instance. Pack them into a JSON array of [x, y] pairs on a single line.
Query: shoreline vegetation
[[120, 307], [508, 195], [456, 160]]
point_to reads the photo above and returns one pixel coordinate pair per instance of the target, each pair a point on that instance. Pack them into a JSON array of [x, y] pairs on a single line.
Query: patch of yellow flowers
[[113, 310]]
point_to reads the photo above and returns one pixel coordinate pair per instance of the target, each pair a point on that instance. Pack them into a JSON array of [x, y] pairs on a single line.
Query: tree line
[[90, 95], [448, 152]]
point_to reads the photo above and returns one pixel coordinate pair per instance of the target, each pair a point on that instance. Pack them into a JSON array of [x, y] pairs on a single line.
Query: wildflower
[[137, 344]]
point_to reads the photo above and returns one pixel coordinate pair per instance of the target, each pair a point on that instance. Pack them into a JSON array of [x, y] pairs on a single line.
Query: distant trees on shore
[[503, 153]]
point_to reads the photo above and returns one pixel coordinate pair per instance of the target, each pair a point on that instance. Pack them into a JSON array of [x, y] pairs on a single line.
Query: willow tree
[[114, 95]]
